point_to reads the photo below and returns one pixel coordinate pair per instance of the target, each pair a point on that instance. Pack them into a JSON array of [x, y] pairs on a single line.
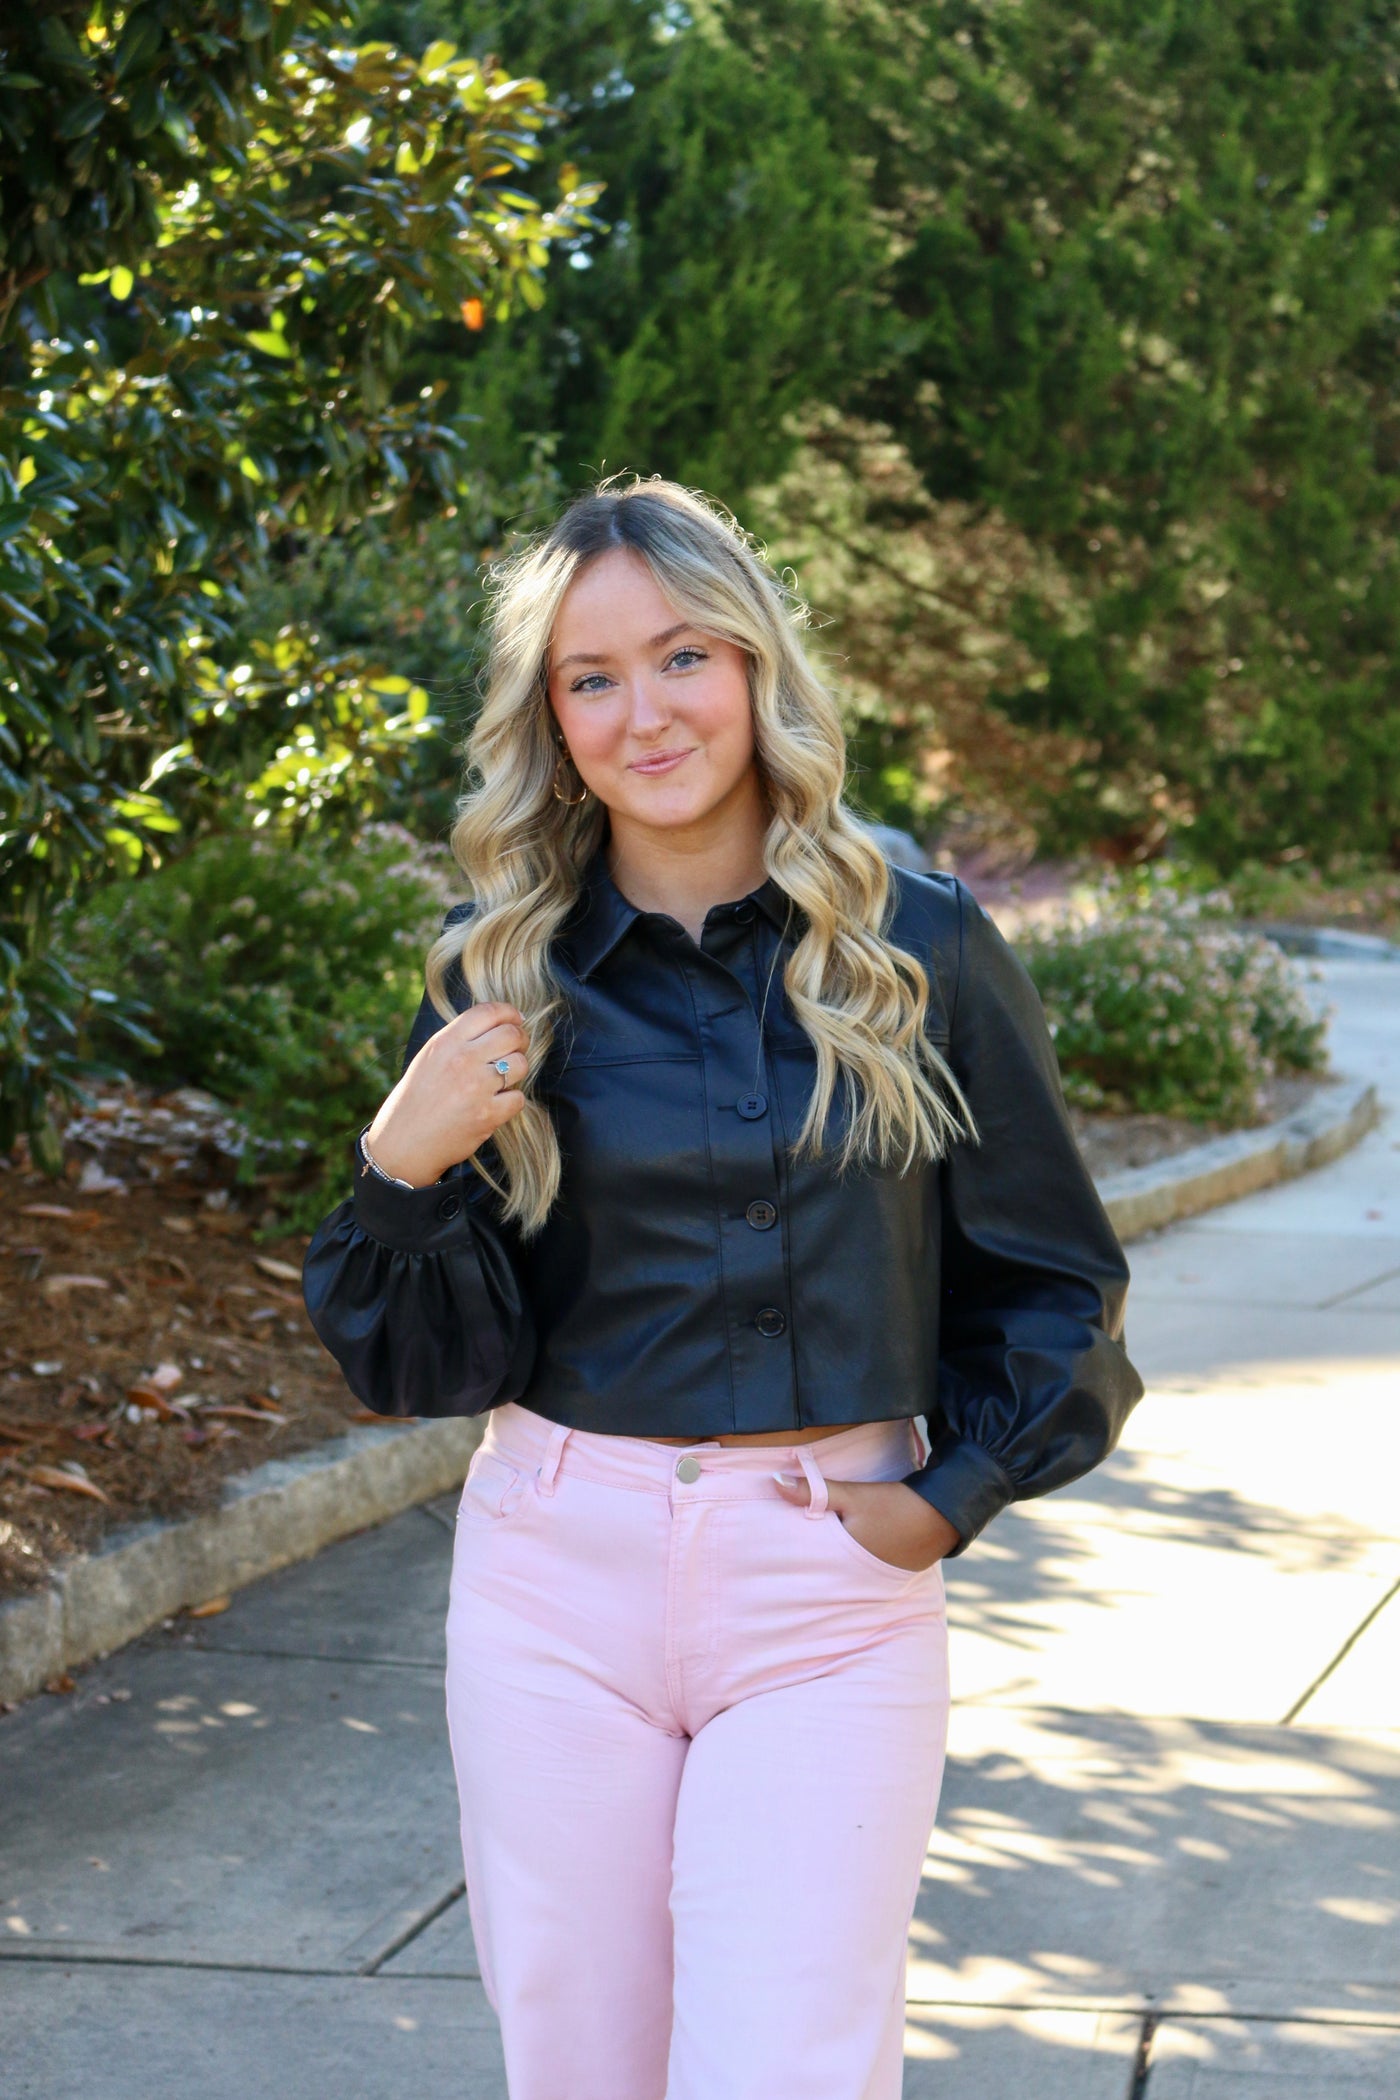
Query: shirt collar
[[603, 915]]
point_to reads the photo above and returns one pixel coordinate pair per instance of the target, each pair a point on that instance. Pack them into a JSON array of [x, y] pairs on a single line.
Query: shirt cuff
[[965, 1484], [412, 1221]]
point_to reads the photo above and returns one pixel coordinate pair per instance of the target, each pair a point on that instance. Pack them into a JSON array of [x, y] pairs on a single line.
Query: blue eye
[[699, 655]]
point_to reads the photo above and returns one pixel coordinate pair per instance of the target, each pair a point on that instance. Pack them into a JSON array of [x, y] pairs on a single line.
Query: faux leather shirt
[[693, 1280]]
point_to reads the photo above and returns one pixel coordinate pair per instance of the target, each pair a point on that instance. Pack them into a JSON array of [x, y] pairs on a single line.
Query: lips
[[663, 762]]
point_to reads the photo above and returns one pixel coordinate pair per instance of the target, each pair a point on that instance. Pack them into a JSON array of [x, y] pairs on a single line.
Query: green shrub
[[1163, 1007], [280, 977]]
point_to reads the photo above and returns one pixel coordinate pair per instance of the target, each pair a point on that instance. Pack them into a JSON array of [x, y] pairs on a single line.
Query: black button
[[743, 913], [752, 1107], [770, 1321], [761, 1215], [450, 1207]]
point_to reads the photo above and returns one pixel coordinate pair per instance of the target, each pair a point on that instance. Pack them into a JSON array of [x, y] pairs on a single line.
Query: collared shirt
[[695, 1278]]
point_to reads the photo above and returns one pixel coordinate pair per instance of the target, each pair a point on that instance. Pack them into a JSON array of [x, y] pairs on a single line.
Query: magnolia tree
[[218, 229]]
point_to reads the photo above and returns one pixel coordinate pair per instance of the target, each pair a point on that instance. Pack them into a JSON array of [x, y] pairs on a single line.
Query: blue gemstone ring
[[502, 1065]]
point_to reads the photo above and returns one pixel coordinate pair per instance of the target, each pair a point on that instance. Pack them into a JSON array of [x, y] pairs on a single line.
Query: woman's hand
[[451, 1098], [884, 1516]]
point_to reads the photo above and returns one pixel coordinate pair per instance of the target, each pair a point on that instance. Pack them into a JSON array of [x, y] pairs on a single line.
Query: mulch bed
[[152, 1337], [150, 1343], [1112, 1143]]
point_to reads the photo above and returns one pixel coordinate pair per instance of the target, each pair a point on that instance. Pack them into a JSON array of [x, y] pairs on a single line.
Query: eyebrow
[[657, 641]]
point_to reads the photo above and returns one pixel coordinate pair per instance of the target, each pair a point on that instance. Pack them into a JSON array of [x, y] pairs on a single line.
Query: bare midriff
[[758, 1436]]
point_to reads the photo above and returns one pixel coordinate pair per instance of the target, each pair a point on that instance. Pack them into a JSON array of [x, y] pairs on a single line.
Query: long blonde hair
[[861, 1000]]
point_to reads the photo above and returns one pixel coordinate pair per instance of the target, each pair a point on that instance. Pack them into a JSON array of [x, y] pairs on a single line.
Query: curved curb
[[1142, 1199], [284, 1511], [1329, 943], [290, 1508]]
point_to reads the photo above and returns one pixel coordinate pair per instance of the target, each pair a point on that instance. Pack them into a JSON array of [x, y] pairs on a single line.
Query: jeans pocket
[[494, 1488], [894, 1580], [861, 1555]]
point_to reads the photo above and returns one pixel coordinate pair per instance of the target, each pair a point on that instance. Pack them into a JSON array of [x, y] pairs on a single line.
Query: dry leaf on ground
[[169, 1261], [146, 1393], [74, 1482], [283, 1270]]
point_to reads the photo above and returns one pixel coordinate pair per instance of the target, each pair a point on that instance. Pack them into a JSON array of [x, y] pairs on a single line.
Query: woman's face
[[655, 712]]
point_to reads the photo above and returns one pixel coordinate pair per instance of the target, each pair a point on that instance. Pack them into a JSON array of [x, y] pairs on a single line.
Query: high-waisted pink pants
[[698, 1735]]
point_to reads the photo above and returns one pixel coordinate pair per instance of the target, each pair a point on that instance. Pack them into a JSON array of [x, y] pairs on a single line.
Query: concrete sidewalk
[[1168, 1855]]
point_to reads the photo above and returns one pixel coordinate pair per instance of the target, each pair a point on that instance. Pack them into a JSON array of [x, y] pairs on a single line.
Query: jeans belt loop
[[816, 1481], [549, 1464]]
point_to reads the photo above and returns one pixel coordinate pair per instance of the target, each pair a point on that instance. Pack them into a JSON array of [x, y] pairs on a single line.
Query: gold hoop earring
[[569, 801]]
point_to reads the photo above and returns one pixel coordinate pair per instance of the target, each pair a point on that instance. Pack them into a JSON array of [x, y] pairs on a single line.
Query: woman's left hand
[[884, 1516]]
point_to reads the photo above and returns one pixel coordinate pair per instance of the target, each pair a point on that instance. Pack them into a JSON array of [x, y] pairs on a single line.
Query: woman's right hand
[[451, 1098]]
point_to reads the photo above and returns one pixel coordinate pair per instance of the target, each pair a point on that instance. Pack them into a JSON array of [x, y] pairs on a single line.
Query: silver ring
[[502, 1065]]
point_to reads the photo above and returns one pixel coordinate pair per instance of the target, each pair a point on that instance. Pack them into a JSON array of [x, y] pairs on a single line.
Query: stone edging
[[290, 1508], [284, 1511], [1142, 1199]]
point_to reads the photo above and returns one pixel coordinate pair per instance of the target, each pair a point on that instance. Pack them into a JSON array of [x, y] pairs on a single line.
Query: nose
[[649, 711]]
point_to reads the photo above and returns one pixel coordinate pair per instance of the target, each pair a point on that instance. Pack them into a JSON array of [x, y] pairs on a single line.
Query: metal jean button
[[688, 1470]]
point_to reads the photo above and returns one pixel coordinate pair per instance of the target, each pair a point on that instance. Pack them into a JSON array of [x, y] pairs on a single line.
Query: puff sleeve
[[1034, 1384], [418, 1293]]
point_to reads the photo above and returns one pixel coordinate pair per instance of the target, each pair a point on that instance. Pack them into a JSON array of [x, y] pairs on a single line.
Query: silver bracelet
[[372, 1166]]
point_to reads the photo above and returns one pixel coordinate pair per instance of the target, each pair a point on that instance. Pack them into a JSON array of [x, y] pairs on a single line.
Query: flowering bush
[[1159, 1005], [280, 977]]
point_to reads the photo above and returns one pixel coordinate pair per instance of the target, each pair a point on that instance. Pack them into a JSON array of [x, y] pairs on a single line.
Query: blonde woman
[[729, 1178]]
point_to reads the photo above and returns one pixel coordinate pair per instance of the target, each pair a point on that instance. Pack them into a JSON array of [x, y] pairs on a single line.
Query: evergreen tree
[[733, 283], [1139, 299]]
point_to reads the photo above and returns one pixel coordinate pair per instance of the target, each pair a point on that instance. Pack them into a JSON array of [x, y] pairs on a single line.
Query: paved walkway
[[1168, 1857]]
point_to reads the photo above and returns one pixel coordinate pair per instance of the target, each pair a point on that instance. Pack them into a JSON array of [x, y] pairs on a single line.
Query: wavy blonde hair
[[861, 1000]]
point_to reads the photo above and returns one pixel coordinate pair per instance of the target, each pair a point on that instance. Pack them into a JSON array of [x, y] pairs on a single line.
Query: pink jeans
[[698, 1736]]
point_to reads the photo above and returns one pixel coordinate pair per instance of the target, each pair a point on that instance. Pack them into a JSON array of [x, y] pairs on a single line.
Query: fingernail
[[787, 1480]]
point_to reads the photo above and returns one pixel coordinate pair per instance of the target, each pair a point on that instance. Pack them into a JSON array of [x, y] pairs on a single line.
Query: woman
[[723, 1154]]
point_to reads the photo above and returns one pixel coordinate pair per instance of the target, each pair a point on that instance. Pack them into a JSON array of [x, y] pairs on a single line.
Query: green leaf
[[270, 342], [436, 56], [60, 44], [84, 116], [140, 40], [123, 283], [47, 1148]]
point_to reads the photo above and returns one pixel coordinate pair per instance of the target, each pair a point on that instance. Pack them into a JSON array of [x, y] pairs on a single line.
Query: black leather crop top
[[693, 1280]]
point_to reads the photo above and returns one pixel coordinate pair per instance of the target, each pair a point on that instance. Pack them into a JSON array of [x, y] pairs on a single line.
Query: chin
[[669, 818], [662, 802]]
